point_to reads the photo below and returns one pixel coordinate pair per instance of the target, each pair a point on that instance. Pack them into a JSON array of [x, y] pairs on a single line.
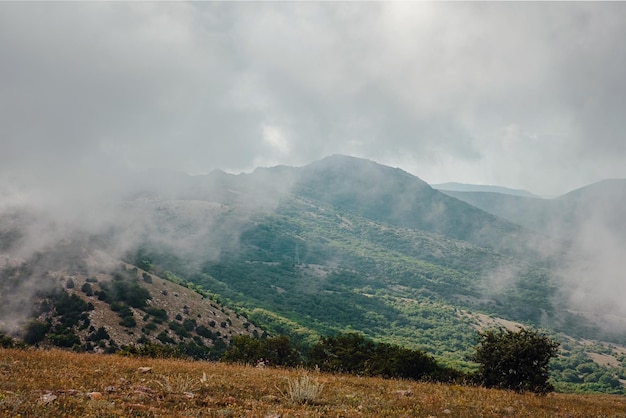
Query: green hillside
[[356, 245], [346, 244]]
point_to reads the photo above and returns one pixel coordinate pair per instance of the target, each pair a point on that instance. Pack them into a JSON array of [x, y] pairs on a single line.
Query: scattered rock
[[407, 392], [273, 415], [446, 412], [94, 395], [145, 369], [189, 395], [110, 389], [144, 389], [48, 397]]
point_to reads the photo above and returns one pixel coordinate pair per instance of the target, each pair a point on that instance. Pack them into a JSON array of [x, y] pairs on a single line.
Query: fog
[[102, 103]]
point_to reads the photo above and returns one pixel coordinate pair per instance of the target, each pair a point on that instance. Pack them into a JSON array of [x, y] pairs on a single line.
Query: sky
[[526, 95]]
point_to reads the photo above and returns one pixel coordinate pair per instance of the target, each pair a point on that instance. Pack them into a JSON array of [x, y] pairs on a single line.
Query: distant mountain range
[[562, 216], [463, 187]]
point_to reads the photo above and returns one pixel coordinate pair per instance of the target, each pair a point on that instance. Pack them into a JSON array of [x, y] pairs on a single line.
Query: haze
[[524, 95]]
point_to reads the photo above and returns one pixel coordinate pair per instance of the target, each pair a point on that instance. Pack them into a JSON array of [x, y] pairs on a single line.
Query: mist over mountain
[[463, 187], [346, 243], [590, 224]]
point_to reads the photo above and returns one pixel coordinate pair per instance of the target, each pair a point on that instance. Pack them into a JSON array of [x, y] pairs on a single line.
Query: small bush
[[86, 289], [152, 350], [128, 322]]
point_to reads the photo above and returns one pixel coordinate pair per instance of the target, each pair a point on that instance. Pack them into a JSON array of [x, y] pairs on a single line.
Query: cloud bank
[[524, 95], [510, 94]]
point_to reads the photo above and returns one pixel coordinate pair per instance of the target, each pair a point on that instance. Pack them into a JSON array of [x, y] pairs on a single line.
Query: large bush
[[516, 360], [276, 351], [353, 353]]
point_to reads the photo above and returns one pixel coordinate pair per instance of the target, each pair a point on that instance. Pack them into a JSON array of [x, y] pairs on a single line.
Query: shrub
[[156, 312], [189, 324], [165, 338], [64, 338], [516, 360], [150, 327], [128, 322], [352, 353], [36, 331], [151, 350], [204, 332], [179, 329], [8, 342], [100, 334], [342, 353], [86, 289]]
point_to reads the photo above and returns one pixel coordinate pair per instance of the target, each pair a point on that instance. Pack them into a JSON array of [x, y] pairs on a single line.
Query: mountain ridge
[[466, 187], [349, 244]]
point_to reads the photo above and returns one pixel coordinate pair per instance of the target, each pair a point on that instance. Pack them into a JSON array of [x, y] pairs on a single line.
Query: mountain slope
[[96, 303], [393, 196], [342, 244]]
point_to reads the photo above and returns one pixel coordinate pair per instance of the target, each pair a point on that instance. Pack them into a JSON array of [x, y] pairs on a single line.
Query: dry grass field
[[55, 383]]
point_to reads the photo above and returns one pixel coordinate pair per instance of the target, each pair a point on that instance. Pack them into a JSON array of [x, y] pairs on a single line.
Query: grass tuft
[[186, 389], [304, 389], [178, 383]]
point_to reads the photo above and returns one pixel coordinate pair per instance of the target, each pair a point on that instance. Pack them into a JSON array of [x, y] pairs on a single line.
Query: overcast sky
[[524, 95]]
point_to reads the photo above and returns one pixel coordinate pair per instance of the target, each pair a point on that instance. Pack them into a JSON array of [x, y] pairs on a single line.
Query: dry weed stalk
[[178, 384], [304, 389]]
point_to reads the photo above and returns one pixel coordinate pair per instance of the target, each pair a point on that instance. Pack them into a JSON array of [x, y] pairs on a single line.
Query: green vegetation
[[125, 289], [276, 351], [308, 269], [352, 353], [35, 331], [516, 360]]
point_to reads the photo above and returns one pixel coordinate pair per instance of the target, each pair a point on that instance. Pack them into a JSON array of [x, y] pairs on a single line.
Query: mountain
[[344, 241], [343, 244], [393, 196], [563, 217], [531, 212], [463, 187]]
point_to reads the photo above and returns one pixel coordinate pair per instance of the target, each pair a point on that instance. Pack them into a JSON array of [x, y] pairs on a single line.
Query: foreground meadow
[[55, 383]]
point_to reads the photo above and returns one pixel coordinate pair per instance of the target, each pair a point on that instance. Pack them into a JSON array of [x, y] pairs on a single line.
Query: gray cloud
[[526, 95], [507, 93]]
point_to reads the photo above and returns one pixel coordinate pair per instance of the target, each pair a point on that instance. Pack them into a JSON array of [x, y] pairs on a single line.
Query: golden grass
[[64, 384]]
